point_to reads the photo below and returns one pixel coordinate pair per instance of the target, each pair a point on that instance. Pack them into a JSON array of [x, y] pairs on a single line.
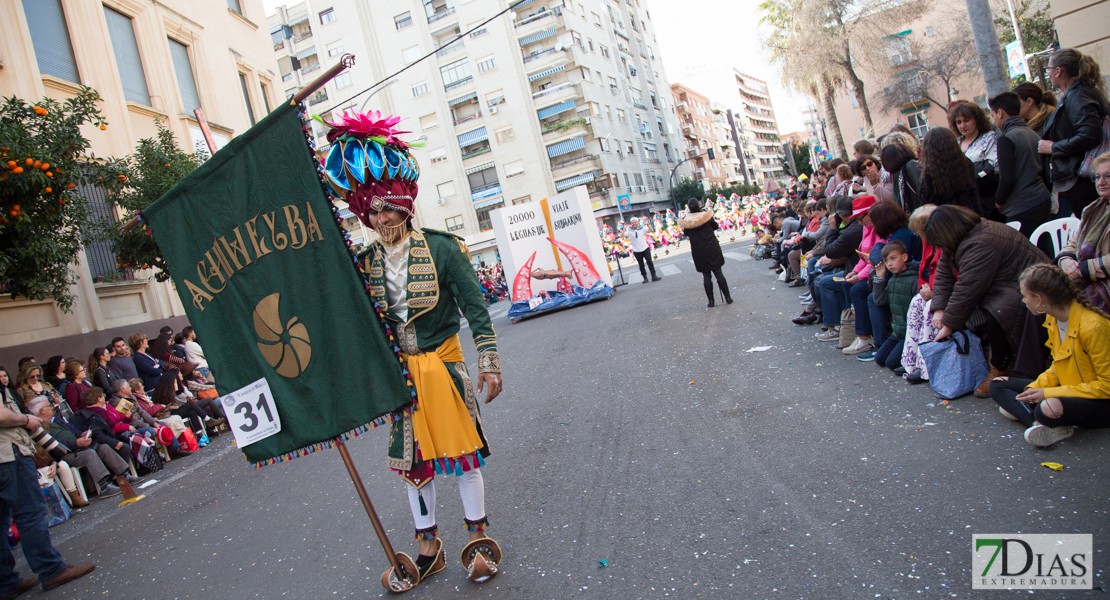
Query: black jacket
[[103, 378], [704, 247], [843, 242], [86, 420], [1074, 128], [1020, 185]]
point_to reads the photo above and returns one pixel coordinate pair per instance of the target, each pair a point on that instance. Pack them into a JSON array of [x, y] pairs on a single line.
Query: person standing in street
[[699, 227], [22, 501], [637, 235]]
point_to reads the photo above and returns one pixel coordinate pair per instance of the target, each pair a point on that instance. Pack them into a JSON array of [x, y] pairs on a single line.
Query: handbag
[[955, 369], [847, 328], [1086, 168], [57, 511], [212, 393], [146, 455], [189, 440]]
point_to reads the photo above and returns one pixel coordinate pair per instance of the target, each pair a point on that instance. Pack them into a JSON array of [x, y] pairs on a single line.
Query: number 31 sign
[[251, 413]]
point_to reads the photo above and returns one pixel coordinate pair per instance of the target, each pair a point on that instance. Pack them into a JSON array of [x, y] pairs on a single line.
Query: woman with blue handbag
[[1075, 390]]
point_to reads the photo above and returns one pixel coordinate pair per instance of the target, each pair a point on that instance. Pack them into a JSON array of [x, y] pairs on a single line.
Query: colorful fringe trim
[[431, 533], [458, 466], [476, 526], [333, 442], [386, 329]]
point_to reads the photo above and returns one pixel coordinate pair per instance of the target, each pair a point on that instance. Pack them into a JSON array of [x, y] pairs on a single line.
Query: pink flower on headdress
[[367, 125]]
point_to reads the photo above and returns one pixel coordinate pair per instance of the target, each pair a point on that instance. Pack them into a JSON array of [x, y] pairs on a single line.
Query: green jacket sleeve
[[468, 294]]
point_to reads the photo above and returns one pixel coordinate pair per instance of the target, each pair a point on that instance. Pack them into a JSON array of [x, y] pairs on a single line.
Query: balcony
[[537, 21], [310, 68], [450, 49], [574, 166], [637, 103], [458, 84], [541, 61], [477, 151], [443, 14], [556, 94], [485, 191], [468, 118]]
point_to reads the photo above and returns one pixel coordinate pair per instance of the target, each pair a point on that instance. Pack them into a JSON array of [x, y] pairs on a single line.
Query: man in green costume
[[420, 279]]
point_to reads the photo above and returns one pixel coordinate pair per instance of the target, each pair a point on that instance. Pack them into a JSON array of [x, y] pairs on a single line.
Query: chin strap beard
[[391, 234]]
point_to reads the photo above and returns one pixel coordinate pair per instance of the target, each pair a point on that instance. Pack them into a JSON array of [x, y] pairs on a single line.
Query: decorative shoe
[[480, 559], [1042, 435], [1006, 413], [832, 335], [437, 565], [406, 580], [984, 389]]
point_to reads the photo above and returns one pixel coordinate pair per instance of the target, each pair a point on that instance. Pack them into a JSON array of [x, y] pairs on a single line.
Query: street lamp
[[605, 162], [385, 85]]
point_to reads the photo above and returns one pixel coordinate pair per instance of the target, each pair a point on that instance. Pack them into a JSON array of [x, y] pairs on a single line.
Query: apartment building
[[760, 128], [814, 127], [731, 164], [150, 61], [700, 133], [554, 95]]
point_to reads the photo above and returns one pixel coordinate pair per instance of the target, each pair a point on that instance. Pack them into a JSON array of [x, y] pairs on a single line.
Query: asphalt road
[[636, 431]]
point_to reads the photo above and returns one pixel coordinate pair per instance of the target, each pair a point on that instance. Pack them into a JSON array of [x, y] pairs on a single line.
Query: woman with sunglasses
[[1075, 127], [32, 384]]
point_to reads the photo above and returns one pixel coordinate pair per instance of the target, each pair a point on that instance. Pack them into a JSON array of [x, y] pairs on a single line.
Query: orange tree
[[155, 167], [44, 161]]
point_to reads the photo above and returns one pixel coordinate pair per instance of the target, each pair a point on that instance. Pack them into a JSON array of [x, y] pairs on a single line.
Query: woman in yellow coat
[[1075, 390]]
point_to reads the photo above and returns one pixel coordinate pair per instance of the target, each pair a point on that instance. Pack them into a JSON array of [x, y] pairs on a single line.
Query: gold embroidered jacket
[[441, 282]]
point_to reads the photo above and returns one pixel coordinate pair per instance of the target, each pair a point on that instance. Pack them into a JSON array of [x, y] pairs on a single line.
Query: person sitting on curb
[[102, 463], [1075, 390]]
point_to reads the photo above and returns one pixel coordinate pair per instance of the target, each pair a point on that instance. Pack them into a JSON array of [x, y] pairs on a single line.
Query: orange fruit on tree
[[123, 178], [30, 161], [49, 174], [37, 164], [61, 201], [11, 163], [48, 190], [45, 166], [70, 186], [103, 127], [17, 170]]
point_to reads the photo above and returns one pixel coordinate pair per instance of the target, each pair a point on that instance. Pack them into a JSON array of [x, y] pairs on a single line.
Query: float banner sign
[[270, 286], [520, 231], [573, 224]]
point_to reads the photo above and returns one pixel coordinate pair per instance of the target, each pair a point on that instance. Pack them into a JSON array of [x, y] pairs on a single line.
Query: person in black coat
[[699, 227], [1075, 127]]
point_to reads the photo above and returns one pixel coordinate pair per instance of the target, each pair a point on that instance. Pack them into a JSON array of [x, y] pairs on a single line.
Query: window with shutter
[[247, 97], [183, 68], [126, 49], [50, 37]]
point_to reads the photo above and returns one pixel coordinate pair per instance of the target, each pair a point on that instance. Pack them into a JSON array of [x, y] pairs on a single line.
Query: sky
[[716, 35]]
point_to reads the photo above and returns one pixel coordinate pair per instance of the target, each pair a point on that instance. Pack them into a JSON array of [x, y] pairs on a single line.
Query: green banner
[[270, 285]]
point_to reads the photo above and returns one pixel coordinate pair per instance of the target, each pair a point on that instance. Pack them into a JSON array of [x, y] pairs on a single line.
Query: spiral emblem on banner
[[287, 348]]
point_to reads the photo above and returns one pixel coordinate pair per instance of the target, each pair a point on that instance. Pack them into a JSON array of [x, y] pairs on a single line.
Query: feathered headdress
[[369, 166]]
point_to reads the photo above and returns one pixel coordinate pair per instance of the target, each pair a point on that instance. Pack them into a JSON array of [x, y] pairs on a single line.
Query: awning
[[538, 36], [472, 137], [522, 4], [345, 213], [568, 146], [443, 30], [488, 202], [461, 99], [573, 181], [542, 74], [479, 168], [300, 19], [303, 54], [554, 110]]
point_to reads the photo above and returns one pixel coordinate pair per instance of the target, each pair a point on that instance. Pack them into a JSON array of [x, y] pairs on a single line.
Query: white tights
[[471, 489]]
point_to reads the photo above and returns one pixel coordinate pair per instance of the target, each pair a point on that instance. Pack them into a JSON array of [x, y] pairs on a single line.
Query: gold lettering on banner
[[280, 240], [293, 219], [260, 248], [215, 270], [313, 226], [199, 295], [234, 249]]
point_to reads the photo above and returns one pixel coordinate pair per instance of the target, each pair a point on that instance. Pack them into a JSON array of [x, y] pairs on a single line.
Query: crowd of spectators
[[492, 280], [103, 409], [913, 241]]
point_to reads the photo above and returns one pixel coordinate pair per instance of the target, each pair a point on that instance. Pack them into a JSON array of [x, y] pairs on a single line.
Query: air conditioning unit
[[493, 110], [441, 201]]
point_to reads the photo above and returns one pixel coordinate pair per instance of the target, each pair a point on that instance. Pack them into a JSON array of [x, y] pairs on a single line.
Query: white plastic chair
[[1061, 231], [1015, 224]]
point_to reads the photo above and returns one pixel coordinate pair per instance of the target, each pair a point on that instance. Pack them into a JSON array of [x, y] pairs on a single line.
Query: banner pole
[[370, 512]]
